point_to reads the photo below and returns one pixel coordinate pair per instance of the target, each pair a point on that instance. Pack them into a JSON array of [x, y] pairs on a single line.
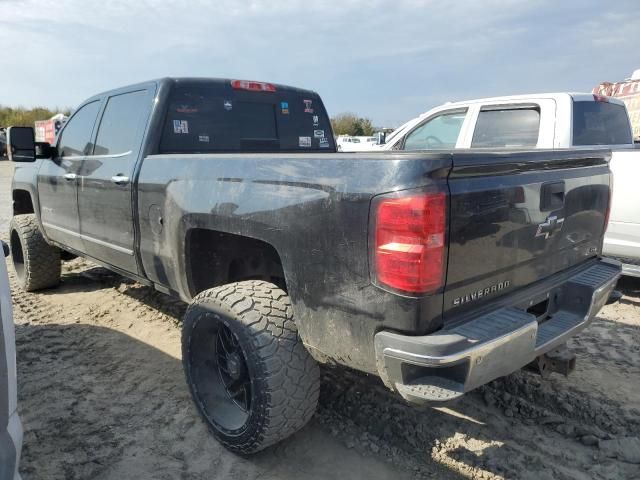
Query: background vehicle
[[623, 234], [3, 143], [545, 121], [356, 144], [10, 426], [629, 92], [436, 271], [46, 130]]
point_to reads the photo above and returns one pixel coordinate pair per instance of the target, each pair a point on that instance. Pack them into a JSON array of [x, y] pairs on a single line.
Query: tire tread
[[293, 376], [42, 266]]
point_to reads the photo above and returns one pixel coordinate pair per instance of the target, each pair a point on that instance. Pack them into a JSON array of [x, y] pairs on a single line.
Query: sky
[[385, 60]]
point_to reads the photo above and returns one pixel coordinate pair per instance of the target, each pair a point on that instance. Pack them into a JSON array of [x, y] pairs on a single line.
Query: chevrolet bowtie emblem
[[549, 226]]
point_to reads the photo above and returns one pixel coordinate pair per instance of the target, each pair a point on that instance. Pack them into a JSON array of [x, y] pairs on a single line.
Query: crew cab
[[545, 121], [436, 271]]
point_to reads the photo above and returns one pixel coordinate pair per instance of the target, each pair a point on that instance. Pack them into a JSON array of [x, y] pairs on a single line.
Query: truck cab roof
[[167, 82], [560, 96], [221, 115]]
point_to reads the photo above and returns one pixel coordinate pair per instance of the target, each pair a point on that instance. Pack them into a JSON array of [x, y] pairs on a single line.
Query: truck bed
[[314, 209]]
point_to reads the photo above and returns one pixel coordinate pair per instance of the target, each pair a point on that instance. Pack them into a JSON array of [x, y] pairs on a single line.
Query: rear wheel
[[249, 374], [37, 264]]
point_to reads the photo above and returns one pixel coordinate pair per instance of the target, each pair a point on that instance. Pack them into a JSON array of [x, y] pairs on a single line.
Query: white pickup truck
[[551, 121]]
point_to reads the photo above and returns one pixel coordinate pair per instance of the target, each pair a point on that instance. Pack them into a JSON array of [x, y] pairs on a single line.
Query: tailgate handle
[[551, 196]]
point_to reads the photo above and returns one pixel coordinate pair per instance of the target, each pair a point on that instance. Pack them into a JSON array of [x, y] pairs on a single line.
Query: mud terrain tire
[[248, 328], [37, 264]]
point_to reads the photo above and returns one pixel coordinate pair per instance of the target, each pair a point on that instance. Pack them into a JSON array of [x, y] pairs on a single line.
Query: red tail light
[[253, 86], [410, 242]]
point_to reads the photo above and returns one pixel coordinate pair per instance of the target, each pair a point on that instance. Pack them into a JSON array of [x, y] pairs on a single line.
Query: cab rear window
[[218, 119], [600, 123]]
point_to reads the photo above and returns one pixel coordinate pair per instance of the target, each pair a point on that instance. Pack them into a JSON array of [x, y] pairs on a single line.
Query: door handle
[[120, 179], [70, 176], [552, 196]]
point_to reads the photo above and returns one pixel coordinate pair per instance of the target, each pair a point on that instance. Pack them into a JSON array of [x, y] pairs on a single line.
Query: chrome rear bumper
[[446, 364]]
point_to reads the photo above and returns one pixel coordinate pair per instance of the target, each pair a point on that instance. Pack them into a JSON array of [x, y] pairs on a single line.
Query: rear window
[[512, 127], [218, 118], [600, 123]]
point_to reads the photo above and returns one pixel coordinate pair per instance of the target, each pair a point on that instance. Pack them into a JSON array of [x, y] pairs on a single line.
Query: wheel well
[[22, 202], [215, 258]]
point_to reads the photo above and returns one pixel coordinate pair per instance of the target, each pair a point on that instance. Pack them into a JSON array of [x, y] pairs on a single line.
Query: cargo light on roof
[[253, 86]]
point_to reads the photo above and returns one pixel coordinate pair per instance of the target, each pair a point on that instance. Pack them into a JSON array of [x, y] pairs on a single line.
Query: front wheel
[[37, 264], [250, 376]]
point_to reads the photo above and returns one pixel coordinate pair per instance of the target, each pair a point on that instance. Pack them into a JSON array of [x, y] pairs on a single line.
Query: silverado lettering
[[483, 292]]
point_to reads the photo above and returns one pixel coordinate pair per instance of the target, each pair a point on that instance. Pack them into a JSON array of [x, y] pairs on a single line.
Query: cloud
[[387, 60]]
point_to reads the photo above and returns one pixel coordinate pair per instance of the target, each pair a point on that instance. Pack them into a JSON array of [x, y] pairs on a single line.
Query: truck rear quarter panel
[[313, 210]]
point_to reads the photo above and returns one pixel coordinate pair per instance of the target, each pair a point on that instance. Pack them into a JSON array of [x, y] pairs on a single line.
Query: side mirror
[[21, 144]]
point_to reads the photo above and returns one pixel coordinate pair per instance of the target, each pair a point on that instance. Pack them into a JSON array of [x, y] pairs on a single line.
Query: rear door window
[[121, 126], [507, 127], [217, 118], [600, 123], [437, 133]]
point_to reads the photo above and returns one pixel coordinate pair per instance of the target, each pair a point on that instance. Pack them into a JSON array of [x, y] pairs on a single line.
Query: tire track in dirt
[[517, 427]]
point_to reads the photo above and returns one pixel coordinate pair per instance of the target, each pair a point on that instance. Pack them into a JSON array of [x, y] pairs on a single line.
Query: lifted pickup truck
[[437, 272]]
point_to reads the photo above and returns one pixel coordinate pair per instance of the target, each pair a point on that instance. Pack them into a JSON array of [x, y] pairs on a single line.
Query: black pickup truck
[[436, 271]]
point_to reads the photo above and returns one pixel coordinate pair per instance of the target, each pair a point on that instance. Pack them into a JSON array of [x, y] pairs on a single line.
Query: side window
[[76, 135], [507, 127], [121, 124], [437, 133]]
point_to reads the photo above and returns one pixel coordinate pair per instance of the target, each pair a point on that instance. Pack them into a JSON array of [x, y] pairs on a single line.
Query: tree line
[[25, 117], [352, 125]]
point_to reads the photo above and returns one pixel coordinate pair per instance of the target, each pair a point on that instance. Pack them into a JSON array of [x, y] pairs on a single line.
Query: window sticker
[[308, 106], [228, 105], [324, 142], [284, 108], [203, 138], [180, 126], [316, 120], [318, 133], [304, 142]]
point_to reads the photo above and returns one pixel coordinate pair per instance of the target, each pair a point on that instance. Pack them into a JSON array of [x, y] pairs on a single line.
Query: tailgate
[[519, 217]]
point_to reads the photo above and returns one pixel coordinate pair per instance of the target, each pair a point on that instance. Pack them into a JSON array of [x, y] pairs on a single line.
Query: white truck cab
[[549, 121], [531, 121]]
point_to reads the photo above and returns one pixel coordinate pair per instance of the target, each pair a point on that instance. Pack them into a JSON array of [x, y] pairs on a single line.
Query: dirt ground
[[102, 395]]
